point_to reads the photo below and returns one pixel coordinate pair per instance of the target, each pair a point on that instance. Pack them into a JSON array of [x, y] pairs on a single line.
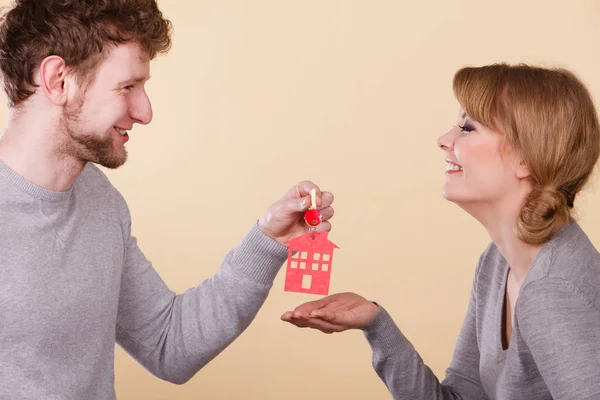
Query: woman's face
[[479, 169]]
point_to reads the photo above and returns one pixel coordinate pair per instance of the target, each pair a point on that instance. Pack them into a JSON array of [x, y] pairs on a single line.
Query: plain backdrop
[[256, 96]]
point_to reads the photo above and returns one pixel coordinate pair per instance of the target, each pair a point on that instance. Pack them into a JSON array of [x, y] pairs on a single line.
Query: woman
[[526, 142]]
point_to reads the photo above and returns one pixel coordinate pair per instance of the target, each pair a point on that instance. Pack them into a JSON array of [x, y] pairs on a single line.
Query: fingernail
[[304, 201]]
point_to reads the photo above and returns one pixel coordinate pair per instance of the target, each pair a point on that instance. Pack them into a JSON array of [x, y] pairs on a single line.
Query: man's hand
[[284, 220]]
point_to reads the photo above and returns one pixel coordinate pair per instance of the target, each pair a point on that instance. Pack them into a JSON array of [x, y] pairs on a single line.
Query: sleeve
[[561, 329], [174, 336], [402, 370]]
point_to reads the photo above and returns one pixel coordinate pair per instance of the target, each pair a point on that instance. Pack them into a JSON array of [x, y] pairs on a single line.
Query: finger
[[304, 188], [324, 226], [326, 315], [324, 326], [293, 193], [289, 206], [327, 213], [298, 199], [304, 310], [287, 316], [315, 323], [300, 323], [324, 200], [301, 190]]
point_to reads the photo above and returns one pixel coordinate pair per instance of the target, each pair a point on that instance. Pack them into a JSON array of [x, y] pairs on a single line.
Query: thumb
[[294, 206], [304, 203]]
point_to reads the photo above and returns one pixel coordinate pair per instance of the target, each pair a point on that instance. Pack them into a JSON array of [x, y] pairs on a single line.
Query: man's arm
[[174, 336]]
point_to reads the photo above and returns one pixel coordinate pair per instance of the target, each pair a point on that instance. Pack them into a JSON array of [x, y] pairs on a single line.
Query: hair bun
[[544, 213]]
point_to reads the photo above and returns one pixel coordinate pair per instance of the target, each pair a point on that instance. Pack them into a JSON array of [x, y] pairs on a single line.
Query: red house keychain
[[310, 257]]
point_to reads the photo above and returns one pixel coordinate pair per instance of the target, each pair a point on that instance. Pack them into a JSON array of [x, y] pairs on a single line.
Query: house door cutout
[[306, 281]]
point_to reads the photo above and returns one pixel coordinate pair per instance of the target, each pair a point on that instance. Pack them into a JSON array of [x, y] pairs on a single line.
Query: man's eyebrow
[[136, 80]]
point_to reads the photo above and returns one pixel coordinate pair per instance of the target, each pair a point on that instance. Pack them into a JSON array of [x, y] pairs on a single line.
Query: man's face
[[96, 123]]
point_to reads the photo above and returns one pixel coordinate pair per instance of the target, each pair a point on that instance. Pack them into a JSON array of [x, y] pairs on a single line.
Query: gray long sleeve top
[[73, 281], [554, 351]]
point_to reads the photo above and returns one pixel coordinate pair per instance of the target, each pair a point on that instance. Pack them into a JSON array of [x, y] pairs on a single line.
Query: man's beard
[[89, 146]]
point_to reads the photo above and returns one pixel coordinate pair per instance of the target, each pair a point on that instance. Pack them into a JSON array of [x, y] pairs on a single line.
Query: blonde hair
[[548, 117]]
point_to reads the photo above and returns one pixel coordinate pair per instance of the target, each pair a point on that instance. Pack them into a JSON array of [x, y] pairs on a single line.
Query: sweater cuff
[[258, 256], [382, 331]]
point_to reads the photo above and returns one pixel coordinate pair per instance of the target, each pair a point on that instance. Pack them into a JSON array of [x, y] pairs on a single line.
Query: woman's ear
[[522, 170]]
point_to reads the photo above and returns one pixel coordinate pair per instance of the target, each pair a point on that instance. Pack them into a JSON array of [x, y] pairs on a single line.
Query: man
[[72, 278]]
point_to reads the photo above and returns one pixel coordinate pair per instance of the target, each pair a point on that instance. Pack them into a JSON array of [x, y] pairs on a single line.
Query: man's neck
[[33, 151]]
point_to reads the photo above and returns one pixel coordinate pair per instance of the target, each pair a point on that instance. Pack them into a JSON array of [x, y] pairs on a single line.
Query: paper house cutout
[[309, 263]]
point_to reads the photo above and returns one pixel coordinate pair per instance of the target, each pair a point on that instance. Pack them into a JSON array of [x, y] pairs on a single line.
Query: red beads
[[313, 217]]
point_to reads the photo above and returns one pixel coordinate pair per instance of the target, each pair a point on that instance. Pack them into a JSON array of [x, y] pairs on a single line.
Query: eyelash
[[128, 87], [466, 128]]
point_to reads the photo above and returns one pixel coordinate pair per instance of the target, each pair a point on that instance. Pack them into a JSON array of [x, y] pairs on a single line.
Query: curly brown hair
[[77, 31], [548, 116]]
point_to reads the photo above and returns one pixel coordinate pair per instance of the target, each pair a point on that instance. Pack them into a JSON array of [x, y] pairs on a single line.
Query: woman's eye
[[466, 128]]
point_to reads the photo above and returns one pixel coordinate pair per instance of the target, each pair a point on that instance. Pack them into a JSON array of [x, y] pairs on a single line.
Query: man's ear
[[53, 79]]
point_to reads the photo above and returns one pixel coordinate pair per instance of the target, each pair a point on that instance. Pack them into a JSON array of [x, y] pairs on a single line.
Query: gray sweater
[[73, 281], [554, 350]]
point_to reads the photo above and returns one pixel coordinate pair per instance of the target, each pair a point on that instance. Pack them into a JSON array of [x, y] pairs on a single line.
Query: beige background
[[257, 95]]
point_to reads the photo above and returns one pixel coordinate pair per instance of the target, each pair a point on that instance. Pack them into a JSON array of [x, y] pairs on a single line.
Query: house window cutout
[[306, 281], [313, 253], [294, 264]]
